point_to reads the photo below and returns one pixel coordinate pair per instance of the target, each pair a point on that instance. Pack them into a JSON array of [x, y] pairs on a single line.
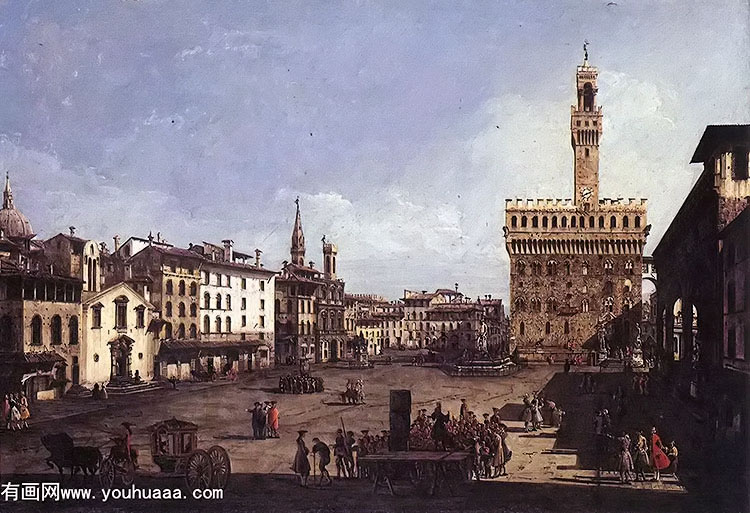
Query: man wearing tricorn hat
[[301, 464]]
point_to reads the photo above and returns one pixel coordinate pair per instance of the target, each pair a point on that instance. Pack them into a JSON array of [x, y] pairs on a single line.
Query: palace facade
[[575, 263]]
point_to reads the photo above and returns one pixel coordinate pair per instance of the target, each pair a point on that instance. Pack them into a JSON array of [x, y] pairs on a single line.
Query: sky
[[401, 126]]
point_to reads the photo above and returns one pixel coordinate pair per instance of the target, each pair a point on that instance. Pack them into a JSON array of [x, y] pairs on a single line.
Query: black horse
[[64, 454]]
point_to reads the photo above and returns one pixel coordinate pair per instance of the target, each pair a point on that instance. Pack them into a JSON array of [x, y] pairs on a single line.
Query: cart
[[174, 449]]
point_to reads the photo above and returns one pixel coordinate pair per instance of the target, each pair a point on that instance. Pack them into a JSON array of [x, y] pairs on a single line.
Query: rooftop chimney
[[72, 230], [228, 250], [116, 238]]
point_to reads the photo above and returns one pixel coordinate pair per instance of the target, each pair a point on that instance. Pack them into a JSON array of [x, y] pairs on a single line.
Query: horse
[[63, 453], [352, 396]]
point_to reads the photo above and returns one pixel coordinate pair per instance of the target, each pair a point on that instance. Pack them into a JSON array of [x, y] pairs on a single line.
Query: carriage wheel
[[128, 473], [107, 474], [222, 468], [199, 470]]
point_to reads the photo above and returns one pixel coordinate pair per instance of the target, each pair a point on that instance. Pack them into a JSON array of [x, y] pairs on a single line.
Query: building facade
[[416, 332], [117, 342], [575, 263], [309, 304], [702, 307]]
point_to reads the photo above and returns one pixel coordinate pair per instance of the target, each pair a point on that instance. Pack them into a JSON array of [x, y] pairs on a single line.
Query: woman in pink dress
[[659, 460]]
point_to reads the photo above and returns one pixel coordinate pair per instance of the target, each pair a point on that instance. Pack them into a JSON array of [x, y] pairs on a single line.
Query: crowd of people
[[265, 420], [300, 384], [16, 412]]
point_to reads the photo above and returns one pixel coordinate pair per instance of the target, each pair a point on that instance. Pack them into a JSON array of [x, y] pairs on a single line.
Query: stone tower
[[575, 263], [298, 240], [586, 130], [330, 251]]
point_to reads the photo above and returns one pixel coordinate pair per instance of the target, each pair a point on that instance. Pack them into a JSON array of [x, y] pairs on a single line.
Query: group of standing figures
[[633, 455], [265, 420], [344, 450], [16, 412]]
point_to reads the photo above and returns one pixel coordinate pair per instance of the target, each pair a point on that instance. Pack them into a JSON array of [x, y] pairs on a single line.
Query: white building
[[237, 301], [117, 342]]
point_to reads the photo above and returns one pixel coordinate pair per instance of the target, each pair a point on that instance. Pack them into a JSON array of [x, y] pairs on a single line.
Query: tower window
[[522, 329], [535, 222], [591, 221], [554, 221], [613, 222], [739, 163], [587, 152], [563, 222], [588, 97], [513, 221], [547, 328], [524, 222], [626, 222], [601, 221], [544, 222], [637, 221]]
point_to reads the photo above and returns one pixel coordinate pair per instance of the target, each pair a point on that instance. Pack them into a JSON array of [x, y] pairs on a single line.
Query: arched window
[[552, 268], [229, 302], [588, 97], [629, 267], [207, 301], [181, 291], [7, 336], [573, 222], [544, 222], [554, 221], [608, 266], [193, 309], [524, 222], [513, 221], [536, 269], [56, 330], [181, 331], [520, 304], [229, 324], [601, 221], [168, 331], [585, 305], [218, 301], [591, 221], [563, 222], [609, 304], [585, 269], [613, 222], [206, 324], [193, 332], [193, 288], [520, 267], [626, 222], [73, 330], [637, 221], [547, 328], [551, 305], [181, 309], [535, 222], [169, 287], [36, 331], [168, 309], [567, 268], [522, 329], [566, 328], [218, 324]]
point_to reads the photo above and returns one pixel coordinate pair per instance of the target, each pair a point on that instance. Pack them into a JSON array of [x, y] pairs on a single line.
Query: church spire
[[7, 193], [298, 239]]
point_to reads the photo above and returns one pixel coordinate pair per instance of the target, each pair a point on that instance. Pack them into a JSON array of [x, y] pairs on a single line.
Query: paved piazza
[[540, 472]]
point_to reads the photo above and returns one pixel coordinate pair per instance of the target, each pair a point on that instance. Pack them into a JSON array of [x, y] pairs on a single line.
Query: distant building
[[309, 304], [575, 263], [416, 327], [75, 257]]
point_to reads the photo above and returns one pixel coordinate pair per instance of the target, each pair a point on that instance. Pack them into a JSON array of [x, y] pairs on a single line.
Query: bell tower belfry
[[586, 130]]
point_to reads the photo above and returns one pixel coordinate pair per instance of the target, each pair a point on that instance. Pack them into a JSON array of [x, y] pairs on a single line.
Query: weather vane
[[296, 201], [585, 50]]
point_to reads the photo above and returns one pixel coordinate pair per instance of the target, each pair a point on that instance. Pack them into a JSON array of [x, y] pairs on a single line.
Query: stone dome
[[12, 222]]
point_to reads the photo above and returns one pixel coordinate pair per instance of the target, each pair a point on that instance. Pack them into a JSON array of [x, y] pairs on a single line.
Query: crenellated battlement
[[539, 203], [567, 204]]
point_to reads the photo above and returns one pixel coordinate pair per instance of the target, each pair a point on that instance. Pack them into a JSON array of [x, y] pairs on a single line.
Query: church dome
[[12, 222]]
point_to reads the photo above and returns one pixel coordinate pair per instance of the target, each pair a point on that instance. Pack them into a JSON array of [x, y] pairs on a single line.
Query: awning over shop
[[196, 348]]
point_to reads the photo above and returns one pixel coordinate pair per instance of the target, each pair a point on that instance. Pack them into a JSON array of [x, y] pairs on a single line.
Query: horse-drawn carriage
[[174, 449]]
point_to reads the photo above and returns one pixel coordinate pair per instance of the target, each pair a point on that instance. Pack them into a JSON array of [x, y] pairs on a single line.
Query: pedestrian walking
[[273, 420], [659, 460], [641, 457], [324, 458]]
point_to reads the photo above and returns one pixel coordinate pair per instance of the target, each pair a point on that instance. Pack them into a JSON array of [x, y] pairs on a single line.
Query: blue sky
[[402, 126]]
